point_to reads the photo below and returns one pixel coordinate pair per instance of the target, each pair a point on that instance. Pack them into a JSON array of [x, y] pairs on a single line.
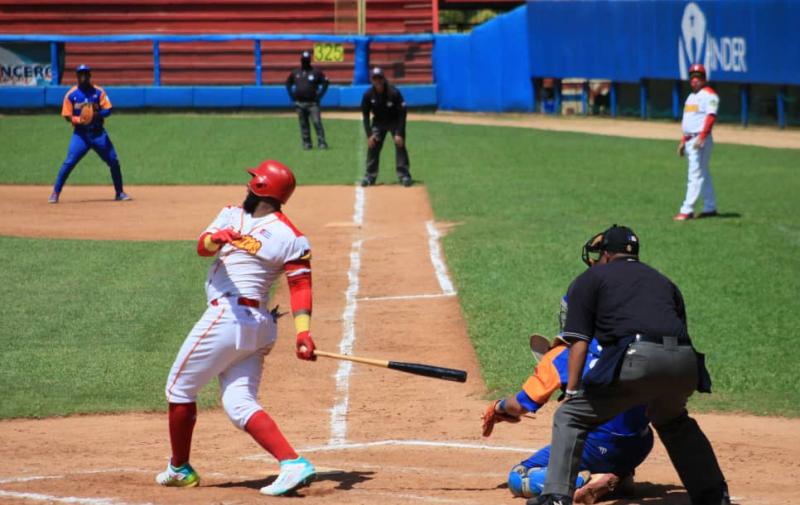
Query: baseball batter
[[253, 245], [699, 114], [612, 451], [86, 107]]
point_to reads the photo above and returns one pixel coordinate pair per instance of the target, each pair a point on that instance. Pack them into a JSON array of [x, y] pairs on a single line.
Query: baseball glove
[[87, 114], [491, 416]]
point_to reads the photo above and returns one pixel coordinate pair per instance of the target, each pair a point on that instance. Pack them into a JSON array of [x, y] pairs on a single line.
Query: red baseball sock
[[181, 425], [264, 430]]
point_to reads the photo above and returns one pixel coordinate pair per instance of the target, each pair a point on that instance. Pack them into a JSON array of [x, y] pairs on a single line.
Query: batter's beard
[[250, 203]]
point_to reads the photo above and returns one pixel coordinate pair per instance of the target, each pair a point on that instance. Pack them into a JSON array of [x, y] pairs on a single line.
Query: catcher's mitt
[[87, 114], [491, 416]]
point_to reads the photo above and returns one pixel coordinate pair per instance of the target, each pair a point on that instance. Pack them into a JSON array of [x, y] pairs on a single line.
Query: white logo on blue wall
[[697, 45]]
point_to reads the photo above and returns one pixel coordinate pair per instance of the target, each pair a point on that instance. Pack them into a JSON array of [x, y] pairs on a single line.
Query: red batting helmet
[[697, 69], [273, 179]]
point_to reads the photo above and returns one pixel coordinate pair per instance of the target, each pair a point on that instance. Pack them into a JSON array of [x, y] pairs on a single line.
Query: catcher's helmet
[[617, 239], [273, 179], [83, 68], [697, 69]]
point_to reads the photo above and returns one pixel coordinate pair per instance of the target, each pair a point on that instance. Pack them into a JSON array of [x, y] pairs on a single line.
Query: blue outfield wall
[[200, 97], [487, 69], [740, 41]]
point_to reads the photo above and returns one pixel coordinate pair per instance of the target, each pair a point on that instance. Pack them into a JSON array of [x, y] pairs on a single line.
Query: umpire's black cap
[[617, 239], [620, 239]]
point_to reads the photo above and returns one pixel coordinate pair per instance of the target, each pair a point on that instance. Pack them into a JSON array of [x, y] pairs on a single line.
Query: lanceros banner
[[25, 64], [755, 41]]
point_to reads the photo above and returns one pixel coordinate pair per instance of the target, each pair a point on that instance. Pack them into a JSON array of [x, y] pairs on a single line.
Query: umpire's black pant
[[304, 110], [374, 153], [661, 376]]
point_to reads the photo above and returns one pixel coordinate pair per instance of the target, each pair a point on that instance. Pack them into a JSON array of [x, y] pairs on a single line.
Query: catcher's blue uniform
[[91, 136], [618, 446]]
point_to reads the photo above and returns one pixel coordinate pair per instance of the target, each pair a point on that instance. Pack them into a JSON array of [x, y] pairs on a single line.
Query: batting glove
[[305, 346]]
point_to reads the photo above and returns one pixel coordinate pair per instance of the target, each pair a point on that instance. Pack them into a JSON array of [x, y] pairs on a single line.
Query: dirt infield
[[377, 436], [724, 133]]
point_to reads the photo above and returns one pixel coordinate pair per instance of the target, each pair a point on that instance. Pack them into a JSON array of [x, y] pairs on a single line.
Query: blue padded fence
[[487, 70], [205, 97]]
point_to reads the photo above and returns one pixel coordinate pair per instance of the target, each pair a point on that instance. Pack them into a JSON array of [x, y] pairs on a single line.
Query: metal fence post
[[676, 99], [643, 98], [257, 56], [156, 64], [744, 99], [55, 76], [557, 96], [612, 98], [585, 97], [780, 104]]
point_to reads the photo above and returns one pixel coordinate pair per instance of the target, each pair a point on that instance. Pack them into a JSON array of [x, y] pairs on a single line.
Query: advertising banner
[[747, 41], [25, 64]]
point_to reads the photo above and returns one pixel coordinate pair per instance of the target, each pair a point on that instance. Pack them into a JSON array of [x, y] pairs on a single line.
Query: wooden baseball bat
[[436, 372]]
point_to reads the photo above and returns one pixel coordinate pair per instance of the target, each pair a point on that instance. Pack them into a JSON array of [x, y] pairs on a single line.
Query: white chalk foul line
[[437, 259], [402, 443], [416, 443], [63, 499], [404, 297], [14, 480], [339, 409], [30, 478]]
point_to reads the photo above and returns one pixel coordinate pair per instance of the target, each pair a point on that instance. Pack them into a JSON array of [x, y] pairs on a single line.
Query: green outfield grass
[[92, 326], [526, 201]]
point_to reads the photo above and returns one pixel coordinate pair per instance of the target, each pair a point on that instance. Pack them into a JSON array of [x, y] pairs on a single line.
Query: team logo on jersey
[[247, 243], [697, 45]]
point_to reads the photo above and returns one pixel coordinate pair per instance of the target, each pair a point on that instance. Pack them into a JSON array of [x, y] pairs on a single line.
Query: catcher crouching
[[611, 452]]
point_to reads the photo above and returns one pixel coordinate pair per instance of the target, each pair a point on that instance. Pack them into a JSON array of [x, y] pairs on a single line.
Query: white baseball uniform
[[237, 331], [697, 107]]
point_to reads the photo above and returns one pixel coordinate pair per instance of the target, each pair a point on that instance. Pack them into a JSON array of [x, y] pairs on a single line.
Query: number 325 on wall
[[328, 52]]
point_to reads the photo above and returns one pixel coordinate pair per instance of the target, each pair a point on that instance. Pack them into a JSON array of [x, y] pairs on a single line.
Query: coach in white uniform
[[699, 114]]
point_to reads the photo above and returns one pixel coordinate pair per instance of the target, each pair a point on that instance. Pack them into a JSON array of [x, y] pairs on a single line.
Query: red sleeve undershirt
[[298, 274]]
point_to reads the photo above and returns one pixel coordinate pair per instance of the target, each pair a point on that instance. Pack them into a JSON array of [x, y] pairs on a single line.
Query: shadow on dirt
[[344, 480]]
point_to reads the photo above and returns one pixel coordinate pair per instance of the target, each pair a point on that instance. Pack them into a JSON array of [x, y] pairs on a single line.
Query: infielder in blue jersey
[[86, 107], [612, 451]]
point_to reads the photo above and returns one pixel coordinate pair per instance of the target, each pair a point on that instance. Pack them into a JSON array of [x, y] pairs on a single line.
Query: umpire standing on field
[[639, 318], [388, 109], [306, 86]]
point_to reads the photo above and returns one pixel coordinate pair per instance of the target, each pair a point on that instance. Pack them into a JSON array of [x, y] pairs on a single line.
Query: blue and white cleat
[[182, 476], [122, 197], [53, 198], [294, 474]]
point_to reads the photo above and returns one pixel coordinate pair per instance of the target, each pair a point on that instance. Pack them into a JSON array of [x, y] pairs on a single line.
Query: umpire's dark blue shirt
[[623, 298]]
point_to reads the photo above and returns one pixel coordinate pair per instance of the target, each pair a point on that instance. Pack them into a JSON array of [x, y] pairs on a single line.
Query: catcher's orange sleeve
[[545, 380]]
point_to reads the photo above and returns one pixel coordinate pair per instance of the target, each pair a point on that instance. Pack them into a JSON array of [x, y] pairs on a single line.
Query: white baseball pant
[[699, 182], [230, 342]]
